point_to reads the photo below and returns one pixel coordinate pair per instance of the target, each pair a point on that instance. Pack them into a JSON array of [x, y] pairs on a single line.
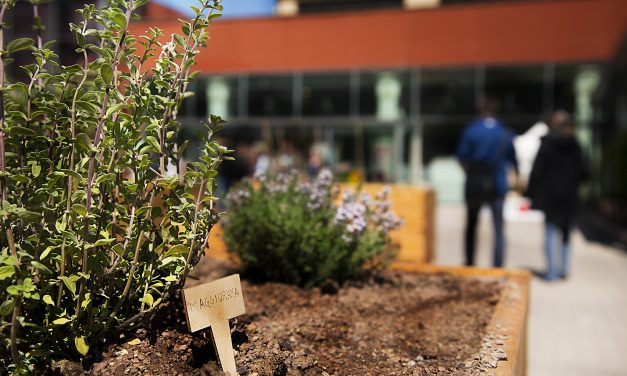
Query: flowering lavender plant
[[288, 229]]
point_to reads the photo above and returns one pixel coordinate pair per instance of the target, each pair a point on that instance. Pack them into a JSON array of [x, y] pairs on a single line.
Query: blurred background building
[[380, 90]]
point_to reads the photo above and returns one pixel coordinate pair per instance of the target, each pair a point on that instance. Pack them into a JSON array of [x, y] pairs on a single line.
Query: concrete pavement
[[577, 326]]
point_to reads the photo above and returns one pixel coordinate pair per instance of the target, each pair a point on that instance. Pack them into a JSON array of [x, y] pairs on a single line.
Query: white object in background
[[517, 209], [287, 8], [446, 176], [527, 146], [218, 95], [388, 91], [418, 4]]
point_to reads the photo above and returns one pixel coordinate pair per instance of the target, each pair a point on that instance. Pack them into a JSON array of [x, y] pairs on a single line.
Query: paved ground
[[577, 326]]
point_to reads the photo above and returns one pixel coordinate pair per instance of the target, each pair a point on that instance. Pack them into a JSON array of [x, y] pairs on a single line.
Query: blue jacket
[[487, 140]]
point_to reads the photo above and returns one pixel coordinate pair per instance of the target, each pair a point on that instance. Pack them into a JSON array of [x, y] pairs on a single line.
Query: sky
[[232, 8]]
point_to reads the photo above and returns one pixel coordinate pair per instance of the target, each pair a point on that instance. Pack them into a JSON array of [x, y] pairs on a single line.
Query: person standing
[[485, 151], [558, 170]]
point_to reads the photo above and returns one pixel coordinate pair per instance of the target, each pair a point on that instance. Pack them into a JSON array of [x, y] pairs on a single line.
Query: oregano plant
[[101, 217]]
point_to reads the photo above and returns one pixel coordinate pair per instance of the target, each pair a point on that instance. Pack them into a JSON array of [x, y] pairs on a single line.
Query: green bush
[[96, 232], [290, 230]]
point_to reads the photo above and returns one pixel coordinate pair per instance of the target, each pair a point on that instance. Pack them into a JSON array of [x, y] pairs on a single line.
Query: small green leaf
[[36, 169], [100, 242], [20, 179], [20, 131], [61, 321], [28, 216], [70, 283], [86, 300], [73, 174], [177, 250], [6, 307], [148, 299], [81, 345], [45, 253], [143, 210], [120, 20], [19, 44], [167, 260], [180, 40], [106, 72], [152, 141], [9, 260], [6, 272], [41, 267], [79, 209], [60, 225], [48, 300], [14, 290], [115, 108], [83, 141], [156, 212], [105, 177]]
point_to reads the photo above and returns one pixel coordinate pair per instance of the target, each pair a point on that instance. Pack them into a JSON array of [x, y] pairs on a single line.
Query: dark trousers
[[472, 218]]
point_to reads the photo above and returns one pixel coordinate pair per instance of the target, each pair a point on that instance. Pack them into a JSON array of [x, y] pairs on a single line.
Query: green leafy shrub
[[290, 230], [95, 232]]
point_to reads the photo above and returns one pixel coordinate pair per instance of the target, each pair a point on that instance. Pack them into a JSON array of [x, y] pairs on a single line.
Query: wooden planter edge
[[510, 314]]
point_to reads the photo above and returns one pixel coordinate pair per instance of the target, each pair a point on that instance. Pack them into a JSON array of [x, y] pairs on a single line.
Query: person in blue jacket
[[485, 151]]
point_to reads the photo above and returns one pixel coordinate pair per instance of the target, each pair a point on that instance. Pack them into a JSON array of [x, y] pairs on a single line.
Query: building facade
[[383, 88]]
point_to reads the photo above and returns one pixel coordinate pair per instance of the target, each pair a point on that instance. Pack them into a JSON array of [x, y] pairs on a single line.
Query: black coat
[[557, 171]]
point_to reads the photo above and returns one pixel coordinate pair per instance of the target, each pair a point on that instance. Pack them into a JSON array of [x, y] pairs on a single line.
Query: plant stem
[[3, 188], [129, 233], [92, 155], [129, 281], [70, 181]]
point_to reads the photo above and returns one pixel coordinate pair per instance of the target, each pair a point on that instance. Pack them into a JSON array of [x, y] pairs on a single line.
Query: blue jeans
[[472, 218], [556, 266]]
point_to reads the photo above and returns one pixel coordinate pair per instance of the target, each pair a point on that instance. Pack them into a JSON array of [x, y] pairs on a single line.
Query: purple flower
[[237, 196], [319, 190], [353, 216], [383, 217]]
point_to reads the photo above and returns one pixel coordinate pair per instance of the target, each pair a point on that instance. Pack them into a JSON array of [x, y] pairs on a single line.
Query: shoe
[[550, 277]]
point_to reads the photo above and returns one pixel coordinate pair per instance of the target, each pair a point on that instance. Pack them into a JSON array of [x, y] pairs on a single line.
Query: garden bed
[[393, 323]]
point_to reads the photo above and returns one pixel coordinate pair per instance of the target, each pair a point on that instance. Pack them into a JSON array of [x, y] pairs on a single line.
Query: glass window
[[379, 154], [315, 6], [447, 91], [384, 94], [196, 106], [270, 95], [222, 96], [447, 98], [441, 136], [326, 94], [564, 84], [519, 92]]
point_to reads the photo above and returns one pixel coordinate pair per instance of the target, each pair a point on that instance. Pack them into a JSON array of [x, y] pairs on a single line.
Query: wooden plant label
[[213, 304]]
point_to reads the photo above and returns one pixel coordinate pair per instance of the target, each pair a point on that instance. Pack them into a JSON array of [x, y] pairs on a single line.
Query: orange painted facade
[[512, 33]]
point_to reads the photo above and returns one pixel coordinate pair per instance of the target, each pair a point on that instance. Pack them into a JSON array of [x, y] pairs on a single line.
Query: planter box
[[291, 331], [510, 314], [415, 205]]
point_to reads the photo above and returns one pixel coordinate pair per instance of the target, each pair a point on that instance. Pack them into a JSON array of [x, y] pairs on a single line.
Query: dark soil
[[386, 324]]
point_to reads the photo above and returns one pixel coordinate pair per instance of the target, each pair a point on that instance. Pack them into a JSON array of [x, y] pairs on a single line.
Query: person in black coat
[[557, 172]]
